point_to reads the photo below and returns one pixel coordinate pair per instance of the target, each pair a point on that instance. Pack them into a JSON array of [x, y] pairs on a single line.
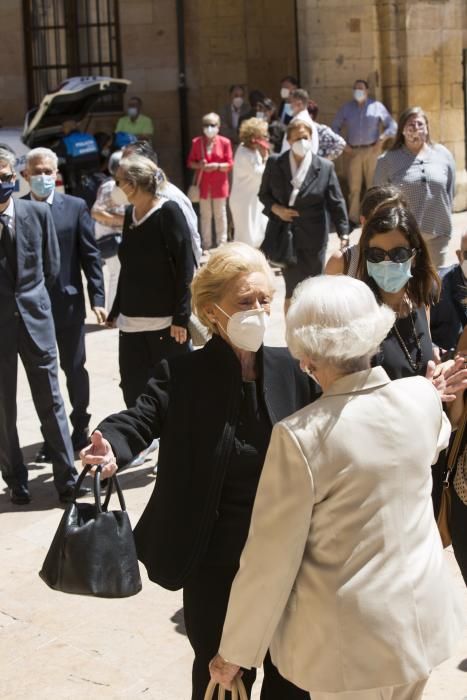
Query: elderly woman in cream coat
[[343, 575]]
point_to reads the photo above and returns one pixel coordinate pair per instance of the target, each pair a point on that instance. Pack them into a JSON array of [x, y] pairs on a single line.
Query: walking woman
[[213, 410], [425, 172], [152, 305]]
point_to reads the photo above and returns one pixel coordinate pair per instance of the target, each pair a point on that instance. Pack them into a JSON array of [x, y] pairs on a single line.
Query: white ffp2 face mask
[[285, 92], [246, 329], [119, 196], [301, 147]]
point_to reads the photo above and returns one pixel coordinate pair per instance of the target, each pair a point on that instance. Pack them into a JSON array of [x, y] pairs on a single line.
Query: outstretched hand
[[99, 452]]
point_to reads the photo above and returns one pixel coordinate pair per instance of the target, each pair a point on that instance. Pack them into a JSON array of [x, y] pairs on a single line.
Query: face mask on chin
[[390, 276], [246, 329]]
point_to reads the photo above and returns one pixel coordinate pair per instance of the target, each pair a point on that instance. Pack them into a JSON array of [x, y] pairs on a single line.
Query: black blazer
[[193, 404], [320, 192], [38, 264], [78, 251]]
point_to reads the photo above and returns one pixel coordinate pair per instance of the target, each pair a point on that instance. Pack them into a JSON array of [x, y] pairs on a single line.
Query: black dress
[[392, 356], [206, 594]]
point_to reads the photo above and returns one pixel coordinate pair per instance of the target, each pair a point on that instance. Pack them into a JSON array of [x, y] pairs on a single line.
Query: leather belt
[[364, 145]]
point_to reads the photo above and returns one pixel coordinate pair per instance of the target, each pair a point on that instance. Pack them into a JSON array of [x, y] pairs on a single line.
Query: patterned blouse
[[426, 180], [331, 144]]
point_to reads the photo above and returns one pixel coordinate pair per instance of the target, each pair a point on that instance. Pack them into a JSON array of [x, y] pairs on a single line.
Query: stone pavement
[[54, 645]]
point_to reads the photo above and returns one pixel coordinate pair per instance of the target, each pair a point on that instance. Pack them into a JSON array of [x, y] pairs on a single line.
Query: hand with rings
[[99, 452]]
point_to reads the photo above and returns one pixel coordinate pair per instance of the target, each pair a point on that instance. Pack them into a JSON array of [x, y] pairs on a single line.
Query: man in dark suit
[[29, 264], [78, 250]]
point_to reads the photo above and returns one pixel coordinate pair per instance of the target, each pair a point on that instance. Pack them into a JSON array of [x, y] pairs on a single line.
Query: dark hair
[[299, 94], [290, 79], [270, 106], [381, 195], [313, 109], [136, 99], [256, 96], [403, 119], [234, 87], [141, 148], [360, 80], [424, 286]]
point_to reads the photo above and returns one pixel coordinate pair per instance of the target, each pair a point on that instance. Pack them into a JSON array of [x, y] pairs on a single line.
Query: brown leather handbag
[[453, 459]]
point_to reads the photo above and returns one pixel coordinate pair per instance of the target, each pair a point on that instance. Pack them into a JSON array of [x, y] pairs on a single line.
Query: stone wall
[[13, 72], [410, 51]]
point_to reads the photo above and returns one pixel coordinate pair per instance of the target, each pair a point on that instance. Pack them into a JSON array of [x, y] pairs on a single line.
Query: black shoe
[[67, 496], [80, 439], [43, 454], [19, 495]]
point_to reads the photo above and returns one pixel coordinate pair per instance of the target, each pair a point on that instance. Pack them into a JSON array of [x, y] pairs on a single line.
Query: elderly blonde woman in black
[[343, 575], [213, 410]]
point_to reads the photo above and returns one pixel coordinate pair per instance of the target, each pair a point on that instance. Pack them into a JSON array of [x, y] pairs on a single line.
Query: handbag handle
[[454, 451], [113, 483], [238, 690]]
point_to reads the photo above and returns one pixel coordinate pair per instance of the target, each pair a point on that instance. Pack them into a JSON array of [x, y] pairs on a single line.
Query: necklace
[[419, 355]]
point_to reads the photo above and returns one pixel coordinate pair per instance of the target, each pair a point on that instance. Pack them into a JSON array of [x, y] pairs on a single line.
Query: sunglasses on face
[[6, 177], [400, 254]]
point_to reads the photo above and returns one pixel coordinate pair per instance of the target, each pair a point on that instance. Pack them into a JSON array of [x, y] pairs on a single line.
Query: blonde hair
[[224, 265], [251, 129], [142, 172], [212, 116]]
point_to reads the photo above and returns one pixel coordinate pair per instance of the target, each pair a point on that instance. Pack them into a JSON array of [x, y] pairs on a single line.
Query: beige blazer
[[343, 574]]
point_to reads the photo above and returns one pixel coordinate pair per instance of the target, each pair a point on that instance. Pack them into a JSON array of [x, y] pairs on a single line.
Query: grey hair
[[142, 172], [337, 320], [114, 162], [41, 152], [212, 116], [7, 156]]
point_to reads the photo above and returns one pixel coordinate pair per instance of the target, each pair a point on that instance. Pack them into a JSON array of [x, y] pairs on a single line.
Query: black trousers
[[205, 599], [72, 354], [42, 372], [139, 354]]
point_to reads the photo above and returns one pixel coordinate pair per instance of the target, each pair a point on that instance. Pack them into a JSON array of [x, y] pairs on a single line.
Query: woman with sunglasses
[[395, 263], [425, 173]]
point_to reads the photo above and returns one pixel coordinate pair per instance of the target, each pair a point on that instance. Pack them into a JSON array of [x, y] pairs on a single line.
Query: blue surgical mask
[[288, 109], [6, 190], [390, 276], [42, 185]]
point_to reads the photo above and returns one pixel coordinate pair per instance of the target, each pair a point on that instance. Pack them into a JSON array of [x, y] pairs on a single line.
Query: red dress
[[213, 184]]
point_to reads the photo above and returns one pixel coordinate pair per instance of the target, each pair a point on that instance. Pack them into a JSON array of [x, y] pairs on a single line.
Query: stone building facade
[[181, 56]]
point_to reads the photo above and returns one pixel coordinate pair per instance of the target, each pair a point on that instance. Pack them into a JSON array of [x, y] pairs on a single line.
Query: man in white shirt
[[299, 103]]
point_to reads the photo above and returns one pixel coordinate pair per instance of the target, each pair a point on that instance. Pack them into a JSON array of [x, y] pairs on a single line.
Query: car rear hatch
[[74, 99]]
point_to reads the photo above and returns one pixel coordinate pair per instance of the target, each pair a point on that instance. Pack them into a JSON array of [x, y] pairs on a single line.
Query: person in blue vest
[[78, 251]]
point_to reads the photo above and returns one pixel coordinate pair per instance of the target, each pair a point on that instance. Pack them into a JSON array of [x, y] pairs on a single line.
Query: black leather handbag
[[93, 551], [279, 244]]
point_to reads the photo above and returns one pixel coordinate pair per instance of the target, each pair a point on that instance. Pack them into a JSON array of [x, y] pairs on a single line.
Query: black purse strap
[[113, 483]]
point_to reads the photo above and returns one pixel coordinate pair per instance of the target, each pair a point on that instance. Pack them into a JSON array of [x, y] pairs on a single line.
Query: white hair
[[337, 320], [114, 162], [41, 152], [6, 156]]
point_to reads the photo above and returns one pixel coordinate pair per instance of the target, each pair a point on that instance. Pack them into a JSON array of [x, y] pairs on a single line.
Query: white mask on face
[[211, 131], [301, 147], [246, 329], [237, 102], [132, 112], [359, 95], [464, 268], [285, 92], [260, 115], [119, 196]]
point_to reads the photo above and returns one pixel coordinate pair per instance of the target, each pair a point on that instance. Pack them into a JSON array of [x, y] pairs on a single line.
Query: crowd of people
[[291, 497]]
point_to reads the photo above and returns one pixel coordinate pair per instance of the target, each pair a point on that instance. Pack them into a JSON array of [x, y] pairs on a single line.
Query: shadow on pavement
[[179, 620]]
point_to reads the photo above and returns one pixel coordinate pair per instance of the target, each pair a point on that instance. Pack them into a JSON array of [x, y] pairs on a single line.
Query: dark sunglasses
[[398, 255], [6, 178]]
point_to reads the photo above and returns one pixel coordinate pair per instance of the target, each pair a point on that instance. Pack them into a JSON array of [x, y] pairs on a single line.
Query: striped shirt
[[427, 181]]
